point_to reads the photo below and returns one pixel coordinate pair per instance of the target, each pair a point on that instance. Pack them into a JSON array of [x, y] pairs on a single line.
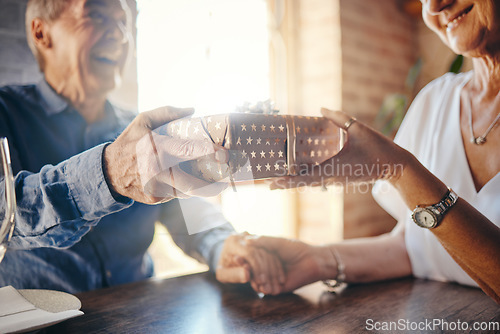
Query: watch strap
[[440, 208]]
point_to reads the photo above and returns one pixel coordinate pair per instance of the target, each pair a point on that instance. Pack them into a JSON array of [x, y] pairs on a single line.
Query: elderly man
[[82, 221]]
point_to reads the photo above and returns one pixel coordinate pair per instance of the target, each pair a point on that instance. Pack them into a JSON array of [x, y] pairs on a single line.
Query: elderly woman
[[446, 194]]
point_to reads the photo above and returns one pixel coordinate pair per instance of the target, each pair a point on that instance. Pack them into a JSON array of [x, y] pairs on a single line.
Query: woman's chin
[[469, 46]]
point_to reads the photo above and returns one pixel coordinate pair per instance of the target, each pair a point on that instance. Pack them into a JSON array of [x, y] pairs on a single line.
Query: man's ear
[[40, 34]]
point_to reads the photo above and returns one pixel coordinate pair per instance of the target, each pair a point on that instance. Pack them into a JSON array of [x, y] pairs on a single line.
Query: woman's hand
[[367, 156]]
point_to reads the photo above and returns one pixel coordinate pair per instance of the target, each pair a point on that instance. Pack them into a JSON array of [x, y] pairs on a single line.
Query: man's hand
[[241, 263], [143, 165], [302, 263]]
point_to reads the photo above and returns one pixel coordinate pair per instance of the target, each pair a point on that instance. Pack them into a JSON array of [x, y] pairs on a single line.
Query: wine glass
[[7, 198]]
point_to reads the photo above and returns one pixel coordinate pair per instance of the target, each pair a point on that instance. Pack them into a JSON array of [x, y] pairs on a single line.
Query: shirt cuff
[[88, 187], [211, 246], [216, 253]]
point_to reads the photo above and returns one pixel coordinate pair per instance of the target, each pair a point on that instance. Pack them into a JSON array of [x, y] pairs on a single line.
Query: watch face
[[425, 218]]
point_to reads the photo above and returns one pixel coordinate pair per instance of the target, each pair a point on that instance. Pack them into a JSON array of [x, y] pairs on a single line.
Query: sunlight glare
[[211, 55]]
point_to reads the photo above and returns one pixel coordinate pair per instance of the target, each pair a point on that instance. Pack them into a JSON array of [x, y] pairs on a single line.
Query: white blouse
[[431, 131]]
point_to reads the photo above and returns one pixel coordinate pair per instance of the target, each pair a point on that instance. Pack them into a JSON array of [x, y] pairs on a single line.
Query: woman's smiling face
[[468, 27]]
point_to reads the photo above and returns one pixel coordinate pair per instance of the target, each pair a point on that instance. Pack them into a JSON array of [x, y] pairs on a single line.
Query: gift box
[[260, 146]]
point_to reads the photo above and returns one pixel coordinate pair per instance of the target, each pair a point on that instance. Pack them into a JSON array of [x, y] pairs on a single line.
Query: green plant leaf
[[413, 74], [391, 113], [394, 106], [456, 65]]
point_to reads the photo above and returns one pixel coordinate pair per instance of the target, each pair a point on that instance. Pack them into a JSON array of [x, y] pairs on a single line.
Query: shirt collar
[[51, 102]]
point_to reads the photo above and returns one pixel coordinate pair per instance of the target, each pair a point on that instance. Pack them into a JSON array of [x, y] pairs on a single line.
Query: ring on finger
[[349, 123]]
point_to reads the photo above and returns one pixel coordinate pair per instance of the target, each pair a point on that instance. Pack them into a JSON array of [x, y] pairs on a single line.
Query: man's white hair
[[47, 10]]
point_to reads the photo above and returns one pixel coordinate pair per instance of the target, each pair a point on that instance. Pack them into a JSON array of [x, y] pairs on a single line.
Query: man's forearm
[[59, 204]]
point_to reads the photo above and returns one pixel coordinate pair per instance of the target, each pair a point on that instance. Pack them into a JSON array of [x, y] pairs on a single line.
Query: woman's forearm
[[469, 237], [373, 258]]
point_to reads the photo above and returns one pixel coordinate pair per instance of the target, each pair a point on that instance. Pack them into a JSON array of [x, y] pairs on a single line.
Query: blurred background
[[368, 58]]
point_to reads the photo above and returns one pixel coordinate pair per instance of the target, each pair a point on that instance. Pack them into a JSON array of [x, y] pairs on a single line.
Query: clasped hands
[[273, 265]]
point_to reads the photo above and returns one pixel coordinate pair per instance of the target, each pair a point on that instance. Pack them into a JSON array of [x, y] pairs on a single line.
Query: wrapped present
[[259, 145]]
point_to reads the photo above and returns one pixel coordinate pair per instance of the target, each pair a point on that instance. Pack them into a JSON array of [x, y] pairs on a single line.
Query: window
[[208, 54], [214, 56]]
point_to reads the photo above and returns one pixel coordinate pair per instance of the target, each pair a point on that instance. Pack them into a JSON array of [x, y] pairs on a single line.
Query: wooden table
[[199, 304]]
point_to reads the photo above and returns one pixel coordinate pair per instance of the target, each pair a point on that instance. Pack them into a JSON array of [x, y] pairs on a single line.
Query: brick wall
[[18, 66], [319, 56], [347, 54], [378, 48]]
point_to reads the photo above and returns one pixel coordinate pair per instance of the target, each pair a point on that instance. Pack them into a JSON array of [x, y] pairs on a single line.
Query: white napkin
[[17, 314]]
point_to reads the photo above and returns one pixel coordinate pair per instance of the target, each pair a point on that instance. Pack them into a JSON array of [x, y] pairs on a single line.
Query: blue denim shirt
[[70, 233]]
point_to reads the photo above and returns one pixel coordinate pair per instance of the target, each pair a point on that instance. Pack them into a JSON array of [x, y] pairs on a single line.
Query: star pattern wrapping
[[260, 146]]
